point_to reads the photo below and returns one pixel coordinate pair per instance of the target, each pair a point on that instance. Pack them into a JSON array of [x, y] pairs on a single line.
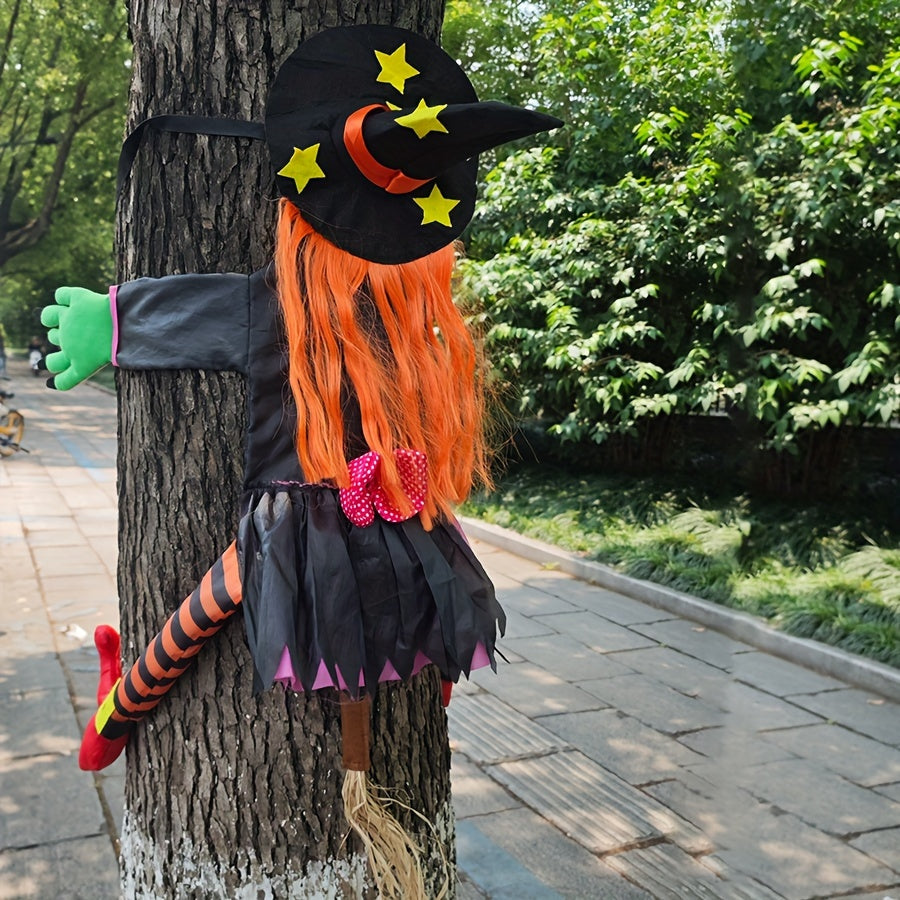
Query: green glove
[[81, 326]]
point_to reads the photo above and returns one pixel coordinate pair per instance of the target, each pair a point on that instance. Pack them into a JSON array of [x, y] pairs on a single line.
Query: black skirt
[[358, 602]]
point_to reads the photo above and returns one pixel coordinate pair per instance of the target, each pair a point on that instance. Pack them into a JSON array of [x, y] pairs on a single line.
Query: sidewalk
[[623, 753]]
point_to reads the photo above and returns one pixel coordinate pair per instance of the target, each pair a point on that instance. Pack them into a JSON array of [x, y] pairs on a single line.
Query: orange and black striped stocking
[[200, 616]]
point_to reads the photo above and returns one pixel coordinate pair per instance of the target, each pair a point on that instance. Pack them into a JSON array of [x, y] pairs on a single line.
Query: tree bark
[[230, 795]]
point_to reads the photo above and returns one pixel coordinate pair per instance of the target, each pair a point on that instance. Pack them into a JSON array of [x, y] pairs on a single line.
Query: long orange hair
[[414, 370]]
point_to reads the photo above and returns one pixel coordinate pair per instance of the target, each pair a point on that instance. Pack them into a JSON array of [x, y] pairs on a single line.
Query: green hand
[[81, 326]]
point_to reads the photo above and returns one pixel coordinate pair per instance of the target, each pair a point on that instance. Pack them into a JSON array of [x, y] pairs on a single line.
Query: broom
[[395, 859]]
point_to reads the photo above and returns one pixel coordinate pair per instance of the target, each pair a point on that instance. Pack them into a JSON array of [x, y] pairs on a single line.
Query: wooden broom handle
[[356, 733]]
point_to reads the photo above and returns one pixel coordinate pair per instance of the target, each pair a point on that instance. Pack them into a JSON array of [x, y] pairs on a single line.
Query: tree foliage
[[717, 227], [63, 86]]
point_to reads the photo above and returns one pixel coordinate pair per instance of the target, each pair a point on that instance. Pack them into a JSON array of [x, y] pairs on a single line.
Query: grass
[[829, 571]]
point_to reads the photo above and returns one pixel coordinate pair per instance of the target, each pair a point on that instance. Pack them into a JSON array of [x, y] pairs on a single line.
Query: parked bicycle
[[12, 427]]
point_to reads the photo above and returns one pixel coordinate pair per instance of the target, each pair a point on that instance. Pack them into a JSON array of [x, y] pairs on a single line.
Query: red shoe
[[106, 640], [98, 752]]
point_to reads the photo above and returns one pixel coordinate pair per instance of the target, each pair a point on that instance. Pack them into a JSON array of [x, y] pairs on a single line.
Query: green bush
[[692, 256], [828, 571]]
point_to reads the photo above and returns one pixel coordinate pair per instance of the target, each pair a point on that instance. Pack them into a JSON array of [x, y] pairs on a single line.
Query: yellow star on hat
[[436, 207], [423, 119], [302, 166], [394, 68]]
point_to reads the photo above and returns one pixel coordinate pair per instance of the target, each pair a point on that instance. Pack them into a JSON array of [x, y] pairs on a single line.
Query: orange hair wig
[[393, 332]]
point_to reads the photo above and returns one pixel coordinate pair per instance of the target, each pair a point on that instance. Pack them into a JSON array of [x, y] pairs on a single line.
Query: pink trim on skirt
[[285, 672]]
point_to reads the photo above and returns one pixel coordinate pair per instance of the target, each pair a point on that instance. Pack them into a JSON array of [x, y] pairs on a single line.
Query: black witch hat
[[374, 134]]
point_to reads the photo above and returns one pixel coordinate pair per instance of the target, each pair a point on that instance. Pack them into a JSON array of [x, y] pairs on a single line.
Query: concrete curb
[[822, 658]]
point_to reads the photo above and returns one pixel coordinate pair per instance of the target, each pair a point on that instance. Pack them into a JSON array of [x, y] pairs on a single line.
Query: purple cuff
[[114, 349]]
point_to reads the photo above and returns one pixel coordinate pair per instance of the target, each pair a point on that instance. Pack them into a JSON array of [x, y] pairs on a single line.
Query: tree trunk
[[230, 795]]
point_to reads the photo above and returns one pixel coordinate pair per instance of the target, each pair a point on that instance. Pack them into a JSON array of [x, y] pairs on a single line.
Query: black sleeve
[[182, 322]]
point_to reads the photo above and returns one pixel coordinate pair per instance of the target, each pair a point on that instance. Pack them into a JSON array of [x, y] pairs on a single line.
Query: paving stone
[[11, 532], [737, 887], [515, 568], [534, 691], [22, 671], [111, 782], [586, 596], [474, 792], [732, 748], [598, 633], [56, 562], [45, 799], [695, 640], [655, 704], [487, 730], [42, 496], [81, 869], [465, 686], [710, 806], [686, 674], [889, 892], [561, 863], [27, 608], [792, 858], [859, 759], [668, 873], [530, 601], [857, 710], [15, 570], [548, 577], [466, 889], [51, 519], [19, 579], [106, 548], [567, 658], [83, 496], [34, 723], [82, 669], [65, 537], [592, 805], [619, 609], [820, 798], [519, 625], [28, 638], [82, 610], [889, 790], [778, 676], [490, 559], [97, 526], [505, 655], [882, 845], [97, 584], [622, 744], [494, 871], [70, 476], [758, 711]]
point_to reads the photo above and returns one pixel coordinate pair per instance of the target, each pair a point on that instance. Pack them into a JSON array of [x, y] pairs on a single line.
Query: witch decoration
[[348, 563]]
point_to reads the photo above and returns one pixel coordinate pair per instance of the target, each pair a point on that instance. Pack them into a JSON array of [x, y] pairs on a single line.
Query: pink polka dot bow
[[365, 496]]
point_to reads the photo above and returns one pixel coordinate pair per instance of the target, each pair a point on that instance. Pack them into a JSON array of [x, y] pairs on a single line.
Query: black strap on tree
[[255, 131]]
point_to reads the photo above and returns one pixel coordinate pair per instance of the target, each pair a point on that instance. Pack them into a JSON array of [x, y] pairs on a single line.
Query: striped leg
[[202, 614]]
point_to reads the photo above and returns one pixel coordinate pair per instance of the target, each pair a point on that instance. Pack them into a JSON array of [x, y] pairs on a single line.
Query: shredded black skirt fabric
[[358, 599]]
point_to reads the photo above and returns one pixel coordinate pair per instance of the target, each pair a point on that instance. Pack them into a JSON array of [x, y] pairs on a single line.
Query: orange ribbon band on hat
[[391, 180]]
